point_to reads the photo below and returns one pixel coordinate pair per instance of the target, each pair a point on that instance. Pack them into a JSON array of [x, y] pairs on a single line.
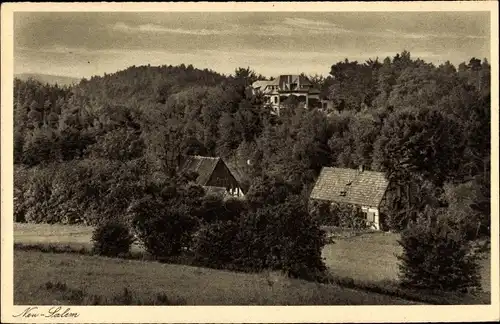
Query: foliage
[[214, 245], [164, 220], [468, 208], [338, 215], [112, 238], [435, 256], [277, 235], [281, 236], [349, 216], [89, 150]]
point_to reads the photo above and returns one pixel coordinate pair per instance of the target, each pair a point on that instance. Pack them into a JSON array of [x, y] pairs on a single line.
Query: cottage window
[[343, 193], [370, 217]]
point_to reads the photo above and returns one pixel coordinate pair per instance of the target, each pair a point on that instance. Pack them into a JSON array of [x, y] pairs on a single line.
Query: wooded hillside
[[426, 126]]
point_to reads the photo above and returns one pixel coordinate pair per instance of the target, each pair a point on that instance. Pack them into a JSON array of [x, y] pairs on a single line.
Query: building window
[[370, 217], [275, 100]]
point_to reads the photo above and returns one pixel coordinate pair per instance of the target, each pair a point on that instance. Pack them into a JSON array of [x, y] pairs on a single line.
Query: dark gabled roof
[[204, 166], [235, 171], [351, 186]]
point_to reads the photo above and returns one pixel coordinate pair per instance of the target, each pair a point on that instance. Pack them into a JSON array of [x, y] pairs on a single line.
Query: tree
[[311, 144], [415, 87], [112, 239], [245, 76], [40, 146], [269, 191], [281, 237], [436, 257], [164, 220], [423, 144], [229, 136], [353, 84]]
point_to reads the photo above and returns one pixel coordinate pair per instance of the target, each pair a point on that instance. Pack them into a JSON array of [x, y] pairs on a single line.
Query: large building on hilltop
[[282, 87]]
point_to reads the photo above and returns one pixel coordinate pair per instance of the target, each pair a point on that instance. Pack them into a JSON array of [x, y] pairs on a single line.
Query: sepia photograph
[[261, 156]]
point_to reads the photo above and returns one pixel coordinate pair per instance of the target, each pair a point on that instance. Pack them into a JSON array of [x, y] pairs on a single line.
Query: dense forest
[[85, 151]]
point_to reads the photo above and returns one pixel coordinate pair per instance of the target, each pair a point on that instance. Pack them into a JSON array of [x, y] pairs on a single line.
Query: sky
[[82, 44]]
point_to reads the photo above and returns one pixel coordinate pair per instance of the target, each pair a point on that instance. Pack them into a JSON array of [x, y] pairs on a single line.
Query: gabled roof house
[[214, 175], [366, 189]]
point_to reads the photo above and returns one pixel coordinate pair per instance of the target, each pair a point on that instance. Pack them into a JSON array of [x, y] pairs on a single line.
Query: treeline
[[426, 126]]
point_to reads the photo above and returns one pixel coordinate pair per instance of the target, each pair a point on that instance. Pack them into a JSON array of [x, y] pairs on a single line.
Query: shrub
[[215, 208], [37, 195], [340, 215], [21, 181], [215, 244], [165, 227], [321, 212], [469, 207], [275, 237], [112, 239], [211, 209], [435, 256], [303, 240], [281, 237], [269, 191], [349, 216]]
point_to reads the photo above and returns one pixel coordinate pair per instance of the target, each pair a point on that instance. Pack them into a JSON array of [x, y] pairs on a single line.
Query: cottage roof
[[204, 166], [351, 186], [235, 172]]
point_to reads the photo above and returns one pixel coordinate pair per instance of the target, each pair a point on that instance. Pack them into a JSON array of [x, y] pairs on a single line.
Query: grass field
[[192, 285], [372, 258], [52, 234], [366, 258]]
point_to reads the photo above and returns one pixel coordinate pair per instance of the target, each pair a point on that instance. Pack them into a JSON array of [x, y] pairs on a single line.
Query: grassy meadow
[[368, 259], [184, 284], [372, 257]]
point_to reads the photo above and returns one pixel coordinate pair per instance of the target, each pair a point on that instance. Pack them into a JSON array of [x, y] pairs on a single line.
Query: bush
[[21, 181], [165, 227], [301, 238], [275, 237], [215, 244], [349, 216], [469, 207], [281, 237], [435, 256], [80, 191], [215, 209], [112, 239], [321, 212], [339, 215]]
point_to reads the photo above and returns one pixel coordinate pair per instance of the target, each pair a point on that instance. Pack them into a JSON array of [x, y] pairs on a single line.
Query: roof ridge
[[205, 157], [354, 169]]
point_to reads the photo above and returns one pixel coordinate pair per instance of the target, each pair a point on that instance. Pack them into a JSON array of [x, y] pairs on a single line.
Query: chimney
[[361, 168]]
